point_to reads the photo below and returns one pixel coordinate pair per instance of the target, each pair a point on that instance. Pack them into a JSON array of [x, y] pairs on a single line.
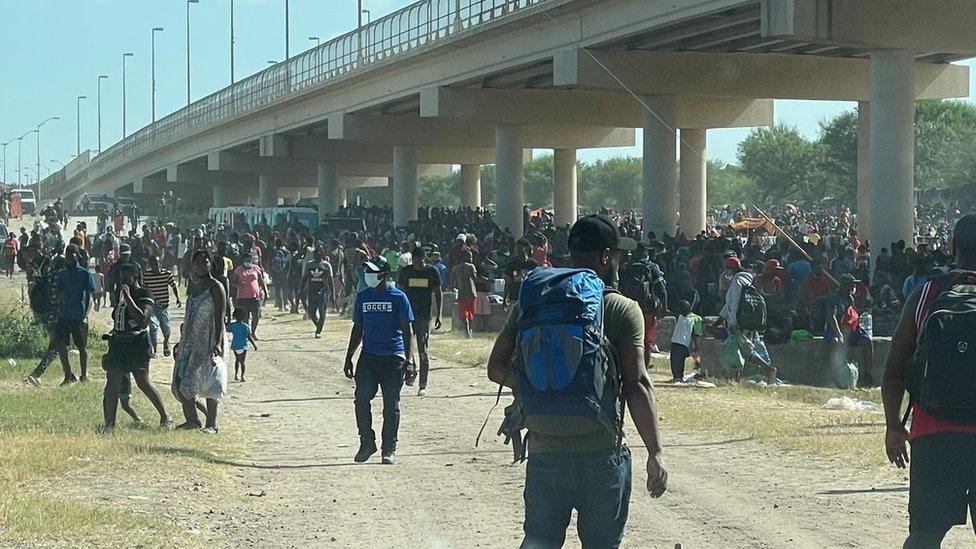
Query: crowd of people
[[748, 278]]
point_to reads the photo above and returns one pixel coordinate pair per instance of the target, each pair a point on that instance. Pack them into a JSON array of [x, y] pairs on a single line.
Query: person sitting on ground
[[688, 327], [241, 336], [128, 346]]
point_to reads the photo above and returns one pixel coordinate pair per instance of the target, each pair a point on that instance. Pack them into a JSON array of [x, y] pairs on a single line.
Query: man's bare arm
[[500, 358], [639, 395], [893, 384]]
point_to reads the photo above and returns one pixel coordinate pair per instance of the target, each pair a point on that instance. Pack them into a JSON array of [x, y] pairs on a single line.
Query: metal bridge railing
[[418, 25]]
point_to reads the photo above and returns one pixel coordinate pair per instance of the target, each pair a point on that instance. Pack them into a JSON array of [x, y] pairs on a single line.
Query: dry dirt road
[[296, 411]]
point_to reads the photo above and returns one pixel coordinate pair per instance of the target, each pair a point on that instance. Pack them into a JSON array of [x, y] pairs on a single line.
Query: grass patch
[[48, 440]]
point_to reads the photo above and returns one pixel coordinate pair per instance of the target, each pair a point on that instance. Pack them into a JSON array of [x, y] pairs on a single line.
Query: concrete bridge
[[469, 82]]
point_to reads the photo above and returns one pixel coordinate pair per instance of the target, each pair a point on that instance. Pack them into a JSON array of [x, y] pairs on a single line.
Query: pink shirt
[[249, 282]]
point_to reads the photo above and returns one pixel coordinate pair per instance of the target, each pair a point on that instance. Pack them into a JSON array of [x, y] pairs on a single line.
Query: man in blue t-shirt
[[381, 322]]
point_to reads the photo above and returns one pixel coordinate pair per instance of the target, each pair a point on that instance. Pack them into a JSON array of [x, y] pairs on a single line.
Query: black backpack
[[942, 377], [752, 309], [636, 282]]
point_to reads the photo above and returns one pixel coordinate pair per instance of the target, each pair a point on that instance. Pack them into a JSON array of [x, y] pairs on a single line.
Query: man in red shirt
[[943, 479]]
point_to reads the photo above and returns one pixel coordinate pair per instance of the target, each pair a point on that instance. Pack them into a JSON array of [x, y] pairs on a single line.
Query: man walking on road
[[251, 289], [419, 281], [943, 405], [576, 461], [159, 282], [381, 322], [317, 286]]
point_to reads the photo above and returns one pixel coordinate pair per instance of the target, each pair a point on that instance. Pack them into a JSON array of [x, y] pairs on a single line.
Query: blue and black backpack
[[565, 364]]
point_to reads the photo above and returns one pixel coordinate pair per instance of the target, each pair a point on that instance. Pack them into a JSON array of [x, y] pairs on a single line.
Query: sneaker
[[366, 449], [389, 457], [166, 423], [166, 350], [318, 336], [33, 380], [209, 430], [422, 392]]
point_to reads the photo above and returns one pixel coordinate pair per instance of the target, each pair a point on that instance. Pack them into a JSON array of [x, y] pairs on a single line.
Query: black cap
[[125, 249], [598, 232], [848, 278]]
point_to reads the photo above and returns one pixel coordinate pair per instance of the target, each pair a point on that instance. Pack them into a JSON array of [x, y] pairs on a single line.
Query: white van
[[28, 202]]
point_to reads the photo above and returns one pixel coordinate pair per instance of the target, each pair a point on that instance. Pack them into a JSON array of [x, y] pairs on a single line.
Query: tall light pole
[[124, 55], [153, 69], [231, 41], [188, 2], [4, 145], [20, 166], [359, 32], [368, 19], [63, 165], [287, 29], [39, 154], [99, 101], [316, 39], [78, 120]]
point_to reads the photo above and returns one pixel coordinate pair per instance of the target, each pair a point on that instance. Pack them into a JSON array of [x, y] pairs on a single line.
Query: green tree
[[782, 164], [612, 183], [440, 191], [728, 184], [838, 139], [944, 133], [538, 182]]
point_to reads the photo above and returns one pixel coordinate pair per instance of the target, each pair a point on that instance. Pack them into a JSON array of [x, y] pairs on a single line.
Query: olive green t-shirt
[[624, 326]]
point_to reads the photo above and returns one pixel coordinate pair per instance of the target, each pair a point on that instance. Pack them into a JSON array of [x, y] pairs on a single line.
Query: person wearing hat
[[750, 343], [381, 323], [419, 281], [553, 483], [843, 327]]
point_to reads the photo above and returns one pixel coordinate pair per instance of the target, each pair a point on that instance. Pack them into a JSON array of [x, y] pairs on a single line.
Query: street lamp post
[[20, 166], [63, 165], [188, 2], [153, 69], [368, 19], [78, 120], [4, 145], [231, 41], [39, 154], [316, 39], [99, 101], [124, 55], [287, 29]]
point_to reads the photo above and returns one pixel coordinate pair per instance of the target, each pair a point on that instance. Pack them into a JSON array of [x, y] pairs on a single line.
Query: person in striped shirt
[[159, 281]]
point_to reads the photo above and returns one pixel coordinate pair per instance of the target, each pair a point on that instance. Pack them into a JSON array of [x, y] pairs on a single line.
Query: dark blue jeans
[[379, 372], [597, 485]]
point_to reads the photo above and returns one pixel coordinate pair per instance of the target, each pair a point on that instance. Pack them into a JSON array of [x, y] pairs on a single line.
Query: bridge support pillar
[[564, 201], [892, 148], [267, 191], [404, 185], [328, 187], [509, 184], [693, 173], [660, 174], [471, 185], [222, 196], [864, 173], [342, 197]]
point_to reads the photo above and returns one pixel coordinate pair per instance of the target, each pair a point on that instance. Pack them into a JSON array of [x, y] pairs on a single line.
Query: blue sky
[[53, 51]]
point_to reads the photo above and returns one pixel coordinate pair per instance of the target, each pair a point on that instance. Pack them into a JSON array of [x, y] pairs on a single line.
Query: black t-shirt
[[318, 275], [122, 320], [419, 284]]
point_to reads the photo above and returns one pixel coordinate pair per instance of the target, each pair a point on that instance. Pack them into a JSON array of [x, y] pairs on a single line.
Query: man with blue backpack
[[933, 357], [578, 349]]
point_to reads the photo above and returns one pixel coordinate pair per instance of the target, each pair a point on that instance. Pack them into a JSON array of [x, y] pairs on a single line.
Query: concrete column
[[693, 193], [267, 191], [222, 196], [328, 186], [564, 202], [509, 183], [471, 185], [405, 185], [864, 173], [659, 200], [892, 148]]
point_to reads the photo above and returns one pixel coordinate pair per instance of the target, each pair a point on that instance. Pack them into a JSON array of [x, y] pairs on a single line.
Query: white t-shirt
[[683, 328]]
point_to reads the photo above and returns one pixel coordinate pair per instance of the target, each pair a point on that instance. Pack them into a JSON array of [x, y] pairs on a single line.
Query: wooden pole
[[796, 246]]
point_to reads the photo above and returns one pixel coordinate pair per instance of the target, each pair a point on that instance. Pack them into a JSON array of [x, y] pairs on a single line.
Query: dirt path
[[296, 410]]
